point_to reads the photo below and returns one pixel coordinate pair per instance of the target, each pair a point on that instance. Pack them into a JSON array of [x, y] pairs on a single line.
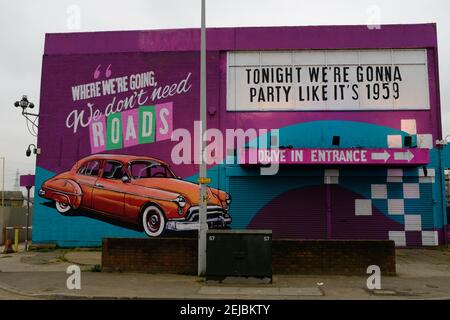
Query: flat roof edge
[[244, 38]]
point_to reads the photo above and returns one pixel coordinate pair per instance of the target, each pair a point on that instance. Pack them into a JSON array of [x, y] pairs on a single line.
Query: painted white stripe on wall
[[426, 179], [409, 126], [395, 179], [395, 172], [399, 237], [379, 191], [331, 180], [431, 172], [332, 173], [394, 141], [394, 175], [413, 223], [363, 207], [425, 141], [430, 238], [331, 176], [411, 191], [396, 207]]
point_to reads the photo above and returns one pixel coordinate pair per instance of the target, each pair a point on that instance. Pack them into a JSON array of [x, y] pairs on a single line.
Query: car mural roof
[[121, 157]]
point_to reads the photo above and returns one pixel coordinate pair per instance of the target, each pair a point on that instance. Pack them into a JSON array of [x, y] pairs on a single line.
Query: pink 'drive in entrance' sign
[[334, 156]]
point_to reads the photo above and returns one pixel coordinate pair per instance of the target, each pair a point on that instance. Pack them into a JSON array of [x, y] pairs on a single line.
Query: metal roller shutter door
[[292, 207], [347, 225]]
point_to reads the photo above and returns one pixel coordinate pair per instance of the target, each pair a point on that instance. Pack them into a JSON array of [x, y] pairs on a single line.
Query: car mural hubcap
[[153, 222]]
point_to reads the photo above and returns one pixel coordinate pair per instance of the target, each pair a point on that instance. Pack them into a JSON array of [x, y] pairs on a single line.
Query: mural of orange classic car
[[138, 190]]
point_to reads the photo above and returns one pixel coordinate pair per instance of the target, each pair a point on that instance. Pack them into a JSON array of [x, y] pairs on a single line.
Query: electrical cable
[[28, 128], [35, 126], [33, 132]]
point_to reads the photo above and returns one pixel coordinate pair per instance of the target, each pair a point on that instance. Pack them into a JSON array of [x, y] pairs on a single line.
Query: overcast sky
[[23, 24]]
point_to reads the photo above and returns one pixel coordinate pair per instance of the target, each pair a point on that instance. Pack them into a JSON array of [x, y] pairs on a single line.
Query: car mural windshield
[[149, 169]]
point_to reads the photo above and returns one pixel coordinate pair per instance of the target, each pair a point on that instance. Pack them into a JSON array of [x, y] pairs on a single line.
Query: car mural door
[[109, 194], [87, 175]]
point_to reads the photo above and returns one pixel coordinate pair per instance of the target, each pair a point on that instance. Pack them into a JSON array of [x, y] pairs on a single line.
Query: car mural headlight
[[228, 200], [181, 201]]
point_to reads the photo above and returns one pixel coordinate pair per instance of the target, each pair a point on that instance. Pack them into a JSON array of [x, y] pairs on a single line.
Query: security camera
[[32, 149]]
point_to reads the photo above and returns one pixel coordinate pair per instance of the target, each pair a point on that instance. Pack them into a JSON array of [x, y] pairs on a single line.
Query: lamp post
[[203, 180], [3, 181], [28, 218], [27, 181], [25, 104]]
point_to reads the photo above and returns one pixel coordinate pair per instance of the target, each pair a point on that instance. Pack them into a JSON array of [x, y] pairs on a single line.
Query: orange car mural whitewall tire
[[62, 207], [153, 221]]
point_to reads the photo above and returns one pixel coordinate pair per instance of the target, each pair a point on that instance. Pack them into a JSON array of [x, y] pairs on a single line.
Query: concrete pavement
[[422, 274]]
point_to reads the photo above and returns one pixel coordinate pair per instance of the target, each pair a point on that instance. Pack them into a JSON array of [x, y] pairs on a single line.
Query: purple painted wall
[[72, 59]]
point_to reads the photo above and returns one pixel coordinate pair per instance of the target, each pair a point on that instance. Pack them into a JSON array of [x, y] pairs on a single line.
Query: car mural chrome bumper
[[41, 192], [218, 222], [217, 217]]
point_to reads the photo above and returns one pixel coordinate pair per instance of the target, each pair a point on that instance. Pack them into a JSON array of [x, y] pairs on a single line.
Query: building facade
[[349, 116], [13, 199]]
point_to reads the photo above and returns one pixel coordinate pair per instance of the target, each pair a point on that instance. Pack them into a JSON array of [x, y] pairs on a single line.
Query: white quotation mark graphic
[[374, 17], [73, 21], [74, 280], [374, 280]]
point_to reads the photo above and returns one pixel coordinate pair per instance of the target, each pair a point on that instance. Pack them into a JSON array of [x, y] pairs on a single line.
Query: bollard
[[8, 247], [16, 240], [4, 235]]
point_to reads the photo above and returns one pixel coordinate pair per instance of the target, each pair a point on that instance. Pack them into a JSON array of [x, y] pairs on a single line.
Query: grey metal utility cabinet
[[239, 253]]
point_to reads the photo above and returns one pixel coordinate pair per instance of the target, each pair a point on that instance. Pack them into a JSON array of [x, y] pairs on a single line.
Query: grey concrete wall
[[12, 217]]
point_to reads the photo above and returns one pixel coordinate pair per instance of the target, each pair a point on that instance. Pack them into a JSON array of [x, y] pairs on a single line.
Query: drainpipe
[[443, 192]]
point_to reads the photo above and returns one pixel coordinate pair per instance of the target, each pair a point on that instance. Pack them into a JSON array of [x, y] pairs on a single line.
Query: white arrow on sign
[[408, 155], [381, 156]]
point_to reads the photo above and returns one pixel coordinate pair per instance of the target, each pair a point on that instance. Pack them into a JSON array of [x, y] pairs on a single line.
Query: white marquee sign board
[[385, 79]]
